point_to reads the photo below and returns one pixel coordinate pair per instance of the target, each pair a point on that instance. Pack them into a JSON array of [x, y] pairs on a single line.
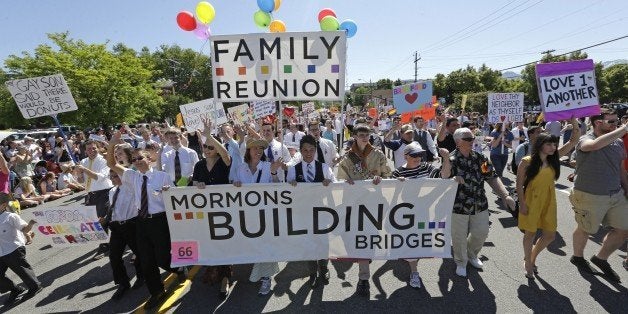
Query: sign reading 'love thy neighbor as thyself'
[[41, 96], [505, 107], [279, 66], [411, 97]]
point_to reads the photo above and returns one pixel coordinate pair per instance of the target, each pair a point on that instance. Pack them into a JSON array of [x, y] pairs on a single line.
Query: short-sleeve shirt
[[448, 143], [11, 236], [424, 170], [471, 196], [598, 172], [497, 150]]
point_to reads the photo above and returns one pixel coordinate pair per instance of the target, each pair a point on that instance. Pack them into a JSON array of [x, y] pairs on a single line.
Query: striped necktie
[[177, 167], [143, 212], [269, 154], [310, 173]]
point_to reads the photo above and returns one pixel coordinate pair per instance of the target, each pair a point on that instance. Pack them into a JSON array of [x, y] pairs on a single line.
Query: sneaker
[[415, 280], [582, 264], [182, 274], [476, 262], [98, 255], [120, 292], [606, 268], [15, 292], [461, 271], [154, 300], [264, 289], [363, 287]]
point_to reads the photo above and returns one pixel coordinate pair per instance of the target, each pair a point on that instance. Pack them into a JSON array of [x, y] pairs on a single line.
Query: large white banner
[[505, 107], [278, 222], [69, 226], [279, 66], [194, 114], [42, 96]]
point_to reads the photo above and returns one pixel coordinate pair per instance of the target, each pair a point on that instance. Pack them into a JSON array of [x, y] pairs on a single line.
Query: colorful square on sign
[[177, 216], [432, 224], [242, 70], [335, 68], [421, 225], [287, 68], [200, 215], [189, 215], [311, 68], [441, 225], [264, 69], [220, 71]]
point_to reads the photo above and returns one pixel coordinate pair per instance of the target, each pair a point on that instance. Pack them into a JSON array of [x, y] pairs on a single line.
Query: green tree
[[398, 82], [109, 86], [615, 80], [384, 84]]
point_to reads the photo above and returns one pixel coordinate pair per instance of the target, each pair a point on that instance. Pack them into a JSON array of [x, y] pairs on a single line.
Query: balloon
[[186, 21], [277, 26], [329, 23], [350, 27], [325, 12], [205, 12], [277, 5], [202, 31], [266, 5], [262, 19]]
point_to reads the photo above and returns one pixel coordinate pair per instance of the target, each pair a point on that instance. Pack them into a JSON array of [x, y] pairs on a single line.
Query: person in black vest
[[311, 170]]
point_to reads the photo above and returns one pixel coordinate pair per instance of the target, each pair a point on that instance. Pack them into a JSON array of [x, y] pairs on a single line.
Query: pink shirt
[[4, 183]]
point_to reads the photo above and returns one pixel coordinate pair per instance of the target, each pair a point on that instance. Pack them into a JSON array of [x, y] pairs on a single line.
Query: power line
[[566, 53]]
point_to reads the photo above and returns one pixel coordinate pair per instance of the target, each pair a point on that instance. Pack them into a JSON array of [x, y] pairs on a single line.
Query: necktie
[[227, 146], [88, 184], [293, 137], [143, 212], [114, 199], [177, 167], [310, 173], [269, 154], [319, 152]]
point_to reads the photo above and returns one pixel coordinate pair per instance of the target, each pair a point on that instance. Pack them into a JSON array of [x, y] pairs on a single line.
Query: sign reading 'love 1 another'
[[279, 66], [567, 89], [411, 97]]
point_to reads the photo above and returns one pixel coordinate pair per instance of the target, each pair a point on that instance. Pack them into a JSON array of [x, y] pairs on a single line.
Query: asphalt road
[[74, 283]]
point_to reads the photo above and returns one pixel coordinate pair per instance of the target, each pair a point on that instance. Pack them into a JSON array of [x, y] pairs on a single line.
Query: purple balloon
[[202, 31]]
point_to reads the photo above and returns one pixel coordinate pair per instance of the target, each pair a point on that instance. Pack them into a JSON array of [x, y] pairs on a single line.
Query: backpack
[[422, 139], [513, 165]]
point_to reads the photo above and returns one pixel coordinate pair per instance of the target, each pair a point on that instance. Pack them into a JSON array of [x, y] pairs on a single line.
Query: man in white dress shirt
[[326, 151], [275, 149], [179, 161], [293, 135]]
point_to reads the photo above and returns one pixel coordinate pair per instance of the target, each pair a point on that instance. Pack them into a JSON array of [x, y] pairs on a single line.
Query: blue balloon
[[350, 27], [266, 5]]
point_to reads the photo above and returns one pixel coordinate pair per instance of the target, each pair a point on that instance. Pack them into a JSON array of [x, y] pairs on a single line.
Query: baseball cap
[[413, 148], [407, 128]]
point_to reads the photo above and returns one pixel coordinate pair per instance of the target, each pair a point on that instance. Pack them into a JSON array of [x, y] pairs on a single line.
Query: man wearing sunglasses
[[179, 161], [600, 192]]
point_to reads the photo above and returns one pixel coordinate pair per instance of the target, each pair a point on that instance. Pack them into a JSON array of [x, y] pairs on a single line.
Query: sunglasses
[[137, 158], [468, 139], [611, 121], [415, 155], [209, 147]]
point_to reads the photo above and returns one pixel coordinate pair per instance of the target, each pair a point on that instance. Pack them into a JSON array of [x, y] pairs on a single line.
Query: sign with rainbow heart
[[410, 97], [279, 66], [505, 107]]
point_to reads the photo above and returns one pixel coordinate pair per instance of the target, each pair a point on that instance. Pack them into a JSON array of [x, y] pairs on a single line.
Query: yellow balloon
[[205, 12], [277, 26], [277, 5]]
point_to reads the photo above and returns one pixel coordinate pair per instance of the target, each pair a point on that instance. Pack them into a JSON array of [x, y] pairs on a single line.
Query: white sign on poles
[[279, 66], [279, 222], [263, 108], [42, 96], [505, 107], [67, 226], [194, 114]]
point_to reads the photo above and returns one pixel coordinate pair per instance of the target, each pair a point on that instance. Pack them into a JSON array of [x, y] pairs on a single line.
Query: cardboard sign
[[69, 226], [308, 107], [411, 97], [263, 108], [42, 96], [279, 66], [567, 89], [505, 107], [240, 114], [194, 113]]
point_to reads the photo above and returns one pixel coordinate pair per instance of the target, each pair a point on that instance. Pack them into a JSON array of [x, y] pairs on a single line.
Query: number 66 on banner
[[184, 252]]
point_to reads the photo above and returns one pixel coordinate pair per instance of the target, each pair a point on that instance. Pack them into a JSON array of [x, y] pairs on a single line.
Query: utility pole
[[547, 52], [416, 62]]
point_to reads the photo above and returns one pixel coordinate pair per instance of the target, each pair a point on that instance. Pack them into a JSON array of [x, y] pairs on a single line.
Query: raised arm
[[111, 160], [573, 140]]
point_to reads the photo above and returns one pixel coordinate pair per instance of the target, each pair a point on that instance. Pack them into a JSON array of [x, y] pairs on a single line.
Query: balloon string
[[200, 52]]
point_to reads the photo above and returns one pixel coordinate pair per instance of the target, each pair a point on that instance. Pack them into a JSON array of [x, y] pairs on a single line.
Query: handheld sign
[[279, 66], [505, 107], [263, 108], [240, 114], [42, 96], [68, 226], [408, 98], [194, 113], [567, 89]]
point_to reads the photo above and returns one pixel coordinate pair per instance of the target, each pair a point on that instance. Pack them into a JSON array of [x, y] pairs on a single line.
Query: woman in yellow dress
[[536, 176]]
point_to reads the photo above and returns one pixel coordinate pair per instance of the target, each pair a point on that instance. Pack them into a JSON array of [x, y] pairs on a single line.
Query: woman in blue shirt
[[502, 140]]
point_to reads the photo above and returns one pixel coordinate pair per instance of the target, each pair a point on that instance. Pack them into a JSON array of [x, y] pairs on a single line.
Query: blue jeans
[[499, 163]]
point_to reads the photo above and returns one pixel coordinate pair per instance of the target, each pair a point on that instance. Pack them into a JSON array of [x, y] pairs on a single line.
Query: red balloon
[[186, 21], [325, 12]]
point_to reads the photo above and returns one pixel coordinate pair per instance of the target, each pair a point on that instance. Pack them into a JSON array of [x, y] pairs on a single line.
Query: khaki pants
[[468, 233]]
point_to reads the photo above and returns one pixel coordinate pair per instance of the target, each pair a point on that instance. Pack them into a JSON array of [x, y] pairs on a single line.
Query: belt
[[157, 215], [123, 221]]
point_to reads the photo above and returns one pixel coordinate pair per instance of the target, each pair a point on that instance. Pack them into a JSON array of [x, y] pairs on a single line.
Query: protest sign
[[279, 66], [263, 108], [279, 222], [68, 226], [41, 96], [308, 107], [240, 114], [411, 97], [505, 107], [194, 114], [567, 89]]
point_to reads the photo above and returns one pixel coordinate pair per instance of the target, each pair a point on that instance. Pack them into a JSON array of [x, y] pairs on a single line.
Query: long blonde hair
[[26, 184]]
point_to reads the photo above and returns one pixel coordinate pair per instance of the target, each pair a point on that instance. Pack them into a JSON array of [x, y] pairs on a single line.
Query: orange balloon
[[277, 26], [277, 5]]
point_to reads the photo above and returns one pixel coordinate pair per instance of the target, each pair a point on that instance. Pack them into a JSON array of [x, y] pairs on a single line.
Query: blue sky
[[447, 34]]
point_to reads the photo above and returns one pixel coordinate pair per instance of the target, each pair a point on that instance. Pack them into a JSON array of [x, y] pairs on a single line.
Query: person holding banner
[[13, 239], [470, 224], [311, 170], [179, 161], [363, 162], [502, 140], [152, 231], [255, 170], [226, 133], [275, 150], [414, 168]]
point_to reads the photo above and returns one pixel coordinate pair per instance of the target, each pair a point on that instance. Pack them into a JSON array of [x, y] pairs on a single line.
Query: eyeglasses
[[134, 159], [363, 135], [468, 139], [611, 121], [415, 155], [209, 147]]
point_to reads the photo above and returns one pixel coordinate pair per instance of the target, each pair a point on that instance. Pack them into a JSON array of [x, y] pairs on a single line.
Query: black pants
[[121, 236], [319, 266], [153, 245], [100, 199], [16, 261]]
